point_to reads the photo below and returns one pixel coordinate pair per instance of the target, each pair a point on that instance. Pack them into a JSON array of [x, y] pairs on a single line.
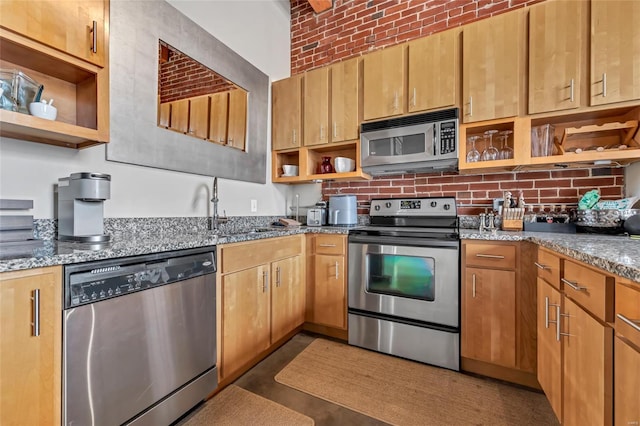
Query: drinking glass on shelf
[[490, 152], [473, 156], [506, 152]]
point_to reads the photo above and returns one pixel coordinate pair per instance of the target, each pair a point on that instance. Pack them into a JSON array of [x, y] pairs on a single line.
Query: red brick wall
[[555, 187], [354, 27], [182, 77]]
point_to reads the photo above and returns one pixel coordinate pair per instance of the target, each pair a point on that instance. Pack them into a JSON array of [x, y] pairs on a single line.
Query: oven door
[[411, 278]]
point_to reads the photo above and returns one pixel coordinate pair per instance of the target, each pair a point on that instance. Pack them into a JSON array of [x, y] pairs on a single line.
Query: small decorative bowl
[[43, 110]]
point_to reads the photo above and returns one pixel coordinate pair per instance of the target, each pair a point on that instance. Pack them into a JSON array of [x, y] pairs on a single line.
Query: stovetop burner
[[424, 215]]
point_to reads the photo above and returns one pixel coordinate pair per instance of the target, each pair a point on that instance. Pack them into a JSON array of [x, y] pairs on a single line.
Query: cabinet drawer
[[490, 255], [235, 257], [549, 267], [329, 244], [628, 310], [590, 288]]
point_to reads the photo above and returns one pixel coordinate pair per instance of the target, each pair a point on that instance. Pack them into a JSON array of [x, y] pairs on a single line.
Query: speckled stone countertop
[[619, 255], [55, 252]]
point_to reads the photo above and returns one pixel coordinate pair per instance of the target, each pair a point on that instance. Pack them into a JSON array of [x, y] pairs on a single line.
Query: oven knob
[[447, 206], [433, 204], [377, 207], [388, 204]]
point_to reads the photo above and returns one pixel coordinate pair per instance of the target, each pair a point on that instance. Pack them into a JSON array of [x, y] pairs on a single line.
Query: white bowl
[[290, 170], [43, 110], [344, 164]]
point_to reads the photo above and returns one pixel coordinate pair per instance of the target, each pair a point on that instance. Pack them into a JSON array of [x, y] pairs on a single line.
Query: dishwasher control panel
[[97, 281]]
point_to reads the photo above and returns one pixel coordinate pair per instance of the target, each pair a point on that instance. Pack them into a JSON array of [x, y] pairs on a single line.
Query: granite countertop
[[55, 252], [619, 255]]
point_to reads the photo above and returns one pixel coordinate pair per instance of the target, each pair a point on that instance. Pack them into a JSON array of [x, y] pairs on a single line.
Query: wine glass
[[506, 152], [490, 152], [473, 156]]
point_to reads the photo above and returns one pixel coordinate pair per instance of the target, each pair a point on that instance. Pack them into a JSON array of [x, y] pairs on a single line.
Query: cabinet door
[[384, 82], [286, 126], [237, 129], [30, 366], [549, 345], [489, 316], [434, 71], [199, 117], [346, 110], [556, 43], [491, 67], [329, 301], [615, 43], [627, 379], [218, 117], [164, 115], [316, 106], [287, 297], [587, 368], [180, 116], [64, 25], [245, 317]]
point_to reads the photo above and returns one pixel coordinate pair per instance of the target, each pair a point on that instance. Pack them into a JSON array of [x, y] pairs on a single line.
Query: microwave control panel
[[448, 136]]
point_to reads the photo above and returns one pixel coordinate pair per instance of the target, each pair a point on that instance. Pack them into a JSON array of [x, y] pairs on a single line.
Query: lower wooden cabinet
[[327, 283], [261, 297], [550, 345], [30, 359], [627, 379]]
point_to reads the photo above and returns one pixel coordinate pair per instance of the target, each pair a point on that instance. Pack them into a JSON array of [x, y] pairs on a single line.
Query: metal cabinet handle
[[321, 132], [470, 106], [490, 256], [413, 97], [230, 141], [337, 269], [558, 315], [541, 266], [265, 281], [35, 302], [604, 84], [335, 129], [632, 323], [395, 100], [278, 276], [221, 140], [94, 38], [546, 312], [294, 136], [573, 285], [571, 91], [327, 245], [473, 285]]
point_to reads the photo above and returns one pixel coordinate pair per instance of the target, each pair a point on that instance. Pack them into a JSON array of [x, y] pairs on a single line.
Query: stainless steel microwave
[[417, 143]]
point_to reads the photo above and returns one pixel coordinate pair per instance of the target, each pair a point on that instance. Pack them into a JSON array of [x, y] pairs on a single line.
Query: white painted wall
[[632, 180], [257, 30]]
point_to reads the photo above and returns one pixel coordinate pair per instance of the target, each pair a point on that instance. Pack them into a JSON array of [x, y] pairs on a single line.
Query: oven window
[[397, 275], [398, 145]]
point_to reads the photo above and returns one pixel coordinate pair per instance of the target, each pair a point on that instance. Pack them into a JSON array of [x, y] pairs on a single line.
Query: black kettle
[[632, 225]]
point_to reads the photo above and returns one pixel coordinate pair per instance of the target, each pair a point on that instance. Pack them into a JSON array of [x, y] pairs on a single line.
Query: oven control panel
[[421, 207]]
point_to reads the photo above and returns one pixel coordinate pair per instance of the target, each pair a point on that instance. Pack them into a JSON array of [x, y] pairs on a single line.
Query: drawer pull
[[632, 323], [94, 37], [541, 266], [573, 285], [265, 281], [546, 312], [473, 285], [337, 270], [490, 256], [277, 276], [35, 301], [327, 245]]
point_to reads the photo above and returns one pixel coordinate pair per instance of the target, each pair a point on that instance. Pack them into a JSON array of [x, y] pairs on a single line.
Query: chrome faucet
[[215, 219]]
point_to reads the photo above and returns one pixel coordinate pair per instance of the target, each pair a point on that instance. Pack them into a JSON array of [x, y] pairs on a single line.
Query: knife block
[[511, 224]]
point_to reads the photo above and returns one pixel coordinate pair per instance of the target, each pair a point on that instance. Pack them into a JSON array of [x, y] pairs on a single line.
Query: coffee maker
[[81, 199]]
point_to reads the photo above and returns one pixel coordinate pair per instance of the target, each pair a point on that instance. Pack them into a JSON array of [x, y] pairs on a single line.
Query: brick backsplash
[[354, 27], [475, 193]]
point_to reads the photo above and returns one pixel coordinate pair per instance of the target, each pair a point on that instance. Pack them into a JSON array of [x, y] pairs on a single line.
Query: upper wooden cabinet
[[556, 53], [434, 71], [615, 47], [286, 128], [199, 117], [219, 110], [30, 358], [346, 105], [237, 120], [492, 67], [180, 116], [384, 82], [74, 27], [316, 106]]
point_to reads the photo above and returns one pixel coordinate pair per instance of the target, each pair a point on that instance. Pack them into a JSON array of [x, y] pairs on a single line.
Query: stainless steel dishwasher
[[139, 338]]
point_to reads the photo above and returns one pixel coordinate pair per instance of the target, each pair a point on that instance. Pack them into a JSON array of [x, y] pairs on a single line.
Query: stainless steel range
[[404, 282]]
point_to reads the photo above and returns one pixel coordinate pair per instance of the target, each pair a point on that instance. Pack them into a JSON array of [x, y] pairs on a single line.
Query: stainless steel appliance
[[404, 283], [139, 338], [415, 143], [80, 206], [343, 210], [316, 217]]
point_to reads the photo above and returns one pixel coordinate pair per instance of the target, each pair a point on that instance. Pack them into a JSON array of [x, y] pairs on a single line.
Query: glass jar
[[326, 166]]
